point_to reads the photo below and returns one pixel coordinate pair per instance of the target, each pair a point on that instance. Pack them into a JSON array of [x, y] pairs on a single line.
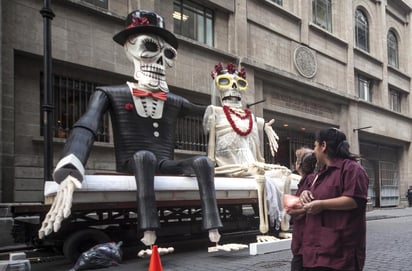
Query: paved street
[[388, 248]]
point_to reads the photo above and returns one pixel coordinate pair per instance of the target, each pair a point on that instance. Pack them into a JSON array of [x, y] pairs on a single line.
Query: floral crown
[[230, 68]]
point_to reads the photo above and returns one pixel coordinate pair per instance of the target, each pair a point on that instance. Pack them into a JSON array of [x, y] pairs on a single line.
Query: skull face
[[151, 55], [231, 89]]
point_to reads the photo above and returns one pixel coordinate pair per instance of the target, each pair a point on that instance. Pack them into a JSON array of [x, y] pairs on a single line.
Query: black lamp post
[[47, 106]]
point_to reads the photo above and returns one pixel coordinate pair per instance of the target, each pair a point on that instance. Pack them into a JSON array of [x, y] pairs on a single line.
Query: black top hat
[[143, 21]]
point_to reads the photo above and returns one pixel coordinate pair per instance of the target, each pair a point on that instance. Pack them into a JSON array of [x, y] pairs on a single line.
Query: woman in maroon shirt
[[334, 236]]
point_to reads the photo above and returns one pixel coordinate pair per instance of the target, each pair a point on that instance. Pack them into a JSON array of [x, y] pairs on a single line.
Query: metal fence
[[71, 97]]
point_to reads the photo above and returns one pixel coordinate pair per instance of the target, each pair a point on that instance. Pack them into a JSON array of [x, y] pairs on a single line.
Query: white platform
[[122, 188], [271, 246]]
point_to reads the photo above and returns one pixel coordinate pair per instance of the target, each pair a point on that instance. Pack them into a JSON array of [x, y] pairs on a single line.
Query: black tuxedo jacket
[[131, 132]]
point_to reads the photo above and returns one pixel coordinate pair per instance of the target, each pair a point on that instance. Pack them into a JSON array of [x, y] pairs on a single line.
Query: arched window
[[361, 30], [392, 49]]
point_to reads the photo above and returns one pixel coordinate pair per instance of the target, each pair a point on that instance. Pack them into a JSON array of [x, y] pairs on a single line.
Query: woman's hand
[[306, 197], [314, 207]]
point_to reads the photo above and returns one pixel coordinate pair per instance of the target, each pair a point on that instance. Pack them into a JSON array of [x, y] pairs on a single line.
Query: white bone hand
[[162, 251], [61, 207], [227, 247], [272, 137]]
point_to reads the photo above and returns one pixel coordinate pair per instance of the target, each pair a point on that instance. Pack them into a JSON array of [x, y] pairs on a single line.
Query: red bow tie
[[142, 93]]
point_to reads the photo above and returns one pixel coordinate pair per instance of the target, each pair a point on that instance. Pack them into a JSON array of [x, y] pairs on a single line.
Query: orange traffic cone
[[155, 263]]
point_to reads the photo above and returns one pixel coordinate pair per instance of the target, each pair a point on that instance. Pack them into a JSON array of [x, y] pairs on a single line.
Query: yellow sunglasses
[[226, 81]]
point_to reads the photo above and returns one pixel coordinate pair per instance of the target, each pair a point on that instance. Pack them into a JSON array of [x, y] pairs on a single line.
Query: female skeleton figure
[[234, 141]]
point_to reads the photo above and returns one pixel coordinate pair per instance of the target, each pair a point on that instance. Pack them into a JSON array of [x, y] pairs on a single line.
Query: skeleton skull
[[231, 88], [151, 55]]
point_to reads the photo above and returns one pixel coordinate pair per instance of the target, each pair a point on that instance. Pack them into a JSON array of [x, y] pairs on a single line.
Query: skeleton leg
[[144, 168], [233, 170], [261, 185], [284, 225], [204, 171]]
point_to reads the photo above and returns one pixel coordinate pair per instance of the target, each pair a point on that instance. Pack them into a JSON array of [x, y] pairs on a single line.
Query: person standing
[[305, 166], [334, 236], [409, 195]]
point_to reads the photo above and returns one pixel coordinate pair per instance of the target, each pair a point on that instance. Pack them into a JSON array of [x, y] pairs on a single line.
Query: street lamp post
[[47, 106]]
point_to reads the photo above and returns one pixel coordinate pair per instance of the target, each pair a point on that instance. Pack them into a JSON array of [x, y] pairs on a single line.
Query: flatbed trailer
[[104, 209]]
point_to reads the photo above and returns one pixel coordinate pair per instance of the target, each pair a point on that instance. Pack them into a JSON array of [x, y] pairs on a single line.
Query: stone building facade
[[345, 64]]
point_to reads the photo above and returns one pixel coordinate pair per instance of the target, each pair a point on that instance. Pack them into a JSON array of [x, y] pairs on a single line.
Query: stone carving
[[305, 61]]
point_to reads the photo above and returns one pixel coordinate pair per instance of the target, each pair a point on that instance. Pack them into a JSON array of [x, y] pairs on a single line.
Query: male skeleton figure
[[144, 115], [234, 140]]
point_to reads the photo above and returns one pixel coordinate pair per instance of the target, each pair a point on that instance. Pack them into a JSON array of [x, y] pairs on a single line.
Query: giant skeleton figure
[[144, 115], [234, 144]]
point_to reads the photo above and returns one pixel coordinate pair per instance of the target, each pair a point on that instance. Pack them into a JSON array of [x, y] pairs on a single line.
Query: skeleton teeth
[[153, 69]]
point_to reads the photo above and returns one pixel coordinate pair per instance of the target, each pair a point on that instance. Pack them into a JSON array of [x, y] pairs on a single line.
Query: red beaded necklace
[[248, 115]]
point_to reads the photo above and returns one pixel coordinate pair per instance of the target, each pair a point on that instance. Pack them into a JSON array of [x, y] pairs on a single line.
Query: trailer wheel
[[80, 241]]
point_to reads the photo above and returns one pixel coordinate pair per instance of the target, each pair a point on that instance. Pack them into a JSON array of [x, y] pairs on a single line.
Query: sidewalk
[[383, 213]]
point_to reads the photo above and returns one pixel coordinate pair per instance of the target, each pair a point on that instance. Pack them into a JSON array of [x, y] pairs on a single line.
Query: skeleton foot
[[285, 235], [214, 235], [227, 247], [265, 238], [145, 253], [149, 238]]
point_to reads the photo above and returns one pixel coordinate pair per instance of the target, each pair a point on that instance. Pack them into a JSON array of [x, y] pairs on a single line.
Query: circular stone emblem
[[305, 61]]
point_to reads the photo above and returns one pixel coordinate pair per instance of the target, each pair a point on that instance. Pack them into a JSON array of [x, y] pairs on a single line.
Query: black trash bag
[[99, 256]]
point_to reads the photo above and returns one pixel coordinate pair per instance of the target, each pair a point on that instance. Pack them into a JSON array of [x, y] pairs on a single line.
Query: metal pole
[[47, 107]]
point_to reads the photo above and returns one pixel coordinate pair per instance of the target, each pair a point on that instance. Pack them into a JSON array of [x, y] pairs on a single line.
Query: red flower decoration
[[128, 106], [248, 115], [138, 21], [230, 68], [216, 71], [242, 73]]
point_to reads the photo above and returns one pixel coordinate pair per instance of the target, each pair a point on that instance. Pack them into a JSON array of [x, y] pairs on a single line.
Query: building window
[[392, 49], [71, 98], [193, 21], [99, 3], [365, 88], [395, 98], [279, 2], [322, 13], [361, 30]]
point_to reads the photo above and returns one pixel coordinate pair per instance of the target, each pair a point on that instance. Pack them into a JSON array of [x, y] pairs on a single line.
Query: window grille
[[71, 97], [392, 49], [322, 14], [193, 21], [361, 30], [289, 142], [364, 88], [190, 135], [279, 2], [389, 174], [395, 100]]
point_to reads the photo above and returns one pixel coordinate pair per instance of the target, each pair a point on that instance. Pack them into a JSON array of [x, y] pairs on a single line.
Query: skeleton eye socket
[[169, 53], [151, 45], [241, 83], [223, 81]]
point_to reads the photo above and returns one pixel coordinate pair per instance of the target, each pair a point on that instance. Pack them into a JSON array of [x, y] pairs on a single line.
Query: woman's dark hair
[[336, 144], [308, 163]]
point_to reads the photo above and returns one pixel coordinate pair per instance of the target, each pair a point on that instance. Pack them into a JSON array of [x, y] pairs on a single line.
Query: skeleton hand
[[61, 206], [272, 137]]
